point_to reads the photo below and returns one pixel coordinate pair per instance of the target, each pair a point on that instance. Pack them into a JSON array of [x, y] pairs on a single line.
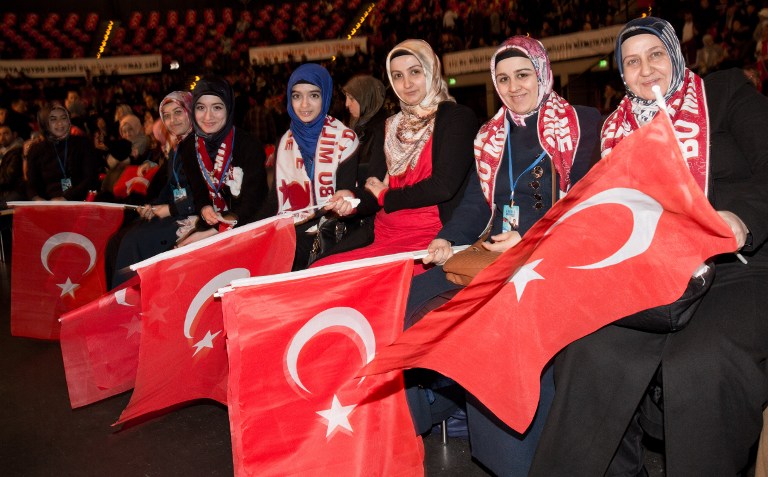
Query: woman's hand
[[209, 215], [503, 242], [738, 227], [145, 167], [438, 252], [375, 186], [340, 206], [148, 212]]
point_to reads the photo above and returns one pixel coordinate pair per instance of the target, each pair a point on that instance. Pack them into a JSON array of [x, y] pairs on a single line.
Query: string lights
[[106, 39], [361, 21]]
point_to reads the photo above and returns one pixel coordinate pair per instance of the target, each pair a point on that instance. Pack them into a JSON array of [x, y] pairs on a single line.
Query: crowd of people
[[412, 169]]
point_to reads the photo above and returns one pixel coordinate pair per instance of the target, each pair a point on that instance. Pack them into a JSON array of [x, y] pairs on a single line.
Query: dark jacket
[[471, 217], [44, 172], [12, 185]]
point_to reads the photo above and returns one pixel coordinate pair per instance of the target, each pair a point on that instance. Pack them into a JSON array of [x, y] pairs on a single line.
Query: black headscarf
[[216, 86]]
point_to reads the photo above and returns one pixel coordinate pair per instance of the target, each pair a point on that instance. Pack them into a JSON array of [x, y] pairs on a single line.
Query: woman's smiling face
[[210, 113]]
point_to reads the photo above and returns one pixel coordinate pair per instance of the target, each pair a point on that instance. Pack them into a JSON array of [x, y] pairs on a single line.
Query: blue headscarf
[[307, 134]]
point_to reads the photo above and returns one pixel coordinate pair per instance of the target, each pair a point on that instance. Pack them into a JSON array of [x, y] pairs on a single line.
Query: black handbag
[[676, 315], [336, 235]]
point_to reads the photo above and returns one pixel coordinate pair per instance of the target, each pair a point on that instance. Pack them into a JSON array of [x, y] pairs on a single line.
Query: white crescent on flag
[[341, 316], [65, 238], [646, 212], [219, 281]]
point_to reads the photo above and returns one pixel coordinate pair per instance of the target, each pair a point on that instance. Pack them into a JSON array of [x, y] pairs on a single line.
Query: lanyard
[[62, 164], [176, 168], [207, 175], [513, 182]]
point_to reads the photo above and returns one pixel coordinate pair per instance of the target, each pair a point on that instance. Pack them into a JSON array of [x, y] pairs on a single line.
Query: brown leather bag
[[462, 267]]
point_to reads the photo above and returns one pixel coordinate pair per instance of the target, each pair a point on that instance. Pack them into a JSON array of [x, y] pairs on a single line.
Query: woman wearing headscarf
[[63, 166], [428, 155], [365, 100], [158, 230], [701, 389], [520, 172], [315, 157], [224, 165]]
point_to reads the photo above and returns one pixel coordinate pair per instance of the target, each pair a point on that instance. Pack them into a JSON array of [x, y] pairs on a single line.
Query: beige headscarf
[[410, 129]]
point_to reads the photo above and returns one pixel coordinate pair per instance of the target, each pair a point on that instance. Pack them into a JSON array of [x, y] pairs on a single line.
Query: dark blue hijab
[[307, 134]]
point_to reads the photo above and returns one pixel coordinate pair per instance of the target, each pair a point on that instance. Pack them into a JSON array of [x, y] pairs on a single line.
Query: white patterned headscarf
[[410, 129]]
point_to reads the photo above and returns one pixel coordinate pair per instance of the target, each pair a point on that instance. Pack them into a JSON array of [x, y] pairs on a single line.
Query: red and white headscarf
[[557, 125], [183, 99]]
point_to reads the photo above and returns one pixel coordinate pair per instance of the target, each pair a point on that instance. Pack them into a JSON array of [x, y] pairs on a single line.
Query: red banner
[[295, 407], [100, 345], [58, 262], [626, 238], [182, 353]]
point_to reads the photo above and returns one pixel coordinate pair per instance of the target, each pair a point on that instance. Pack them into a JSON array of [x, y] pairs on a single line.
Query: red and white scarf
[[295, 191], [558, 132], [687, 108], [213, 171]]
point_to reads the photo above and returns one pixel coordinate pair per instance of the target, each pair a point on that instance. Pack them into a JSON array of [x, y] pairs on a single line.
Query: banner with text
[[559, 48], [60, 68], [316, 50]]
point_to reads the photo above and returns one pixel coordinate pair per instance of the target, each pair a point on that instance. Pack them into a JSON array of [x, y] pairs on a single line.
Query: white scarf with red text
[[295, 191]]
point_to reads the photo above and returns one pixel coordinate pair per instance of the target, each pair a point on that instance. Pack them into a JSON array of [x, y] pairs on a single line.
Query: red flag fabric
[[100, 345], [626, 238], [295, 343], [182, 355], [131, 182], [58, 261]]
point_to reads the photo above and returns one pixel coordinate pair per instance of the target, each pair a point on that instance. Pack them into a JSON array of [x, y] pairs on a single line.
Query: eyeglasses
[[537, 173]]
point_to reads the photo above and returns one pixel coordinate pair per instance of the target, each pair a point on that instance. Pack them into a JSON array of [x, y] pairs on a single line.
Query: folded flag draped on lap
[[182, 354], [100, 345], [295, 343], [58, 261], [627, 237]]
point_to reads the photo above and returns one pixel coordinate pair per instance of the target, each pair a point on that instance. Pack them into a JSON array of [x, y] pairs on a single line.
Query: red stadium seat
[[153, 21], [191, 18], [134, 21], [91, 22], [173, 19]]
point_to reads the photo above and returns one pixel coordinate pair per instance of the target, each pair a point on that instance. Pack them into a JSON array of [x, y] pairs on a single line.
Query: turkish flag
[[130, 182], [295, 344], [626, 238], [182, 354], [100, 345], [58, 261]]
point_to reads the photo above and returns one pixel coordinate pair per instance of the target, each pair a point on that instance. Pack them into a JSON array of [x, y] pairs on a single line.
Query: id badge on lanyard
[[179, 194], [66, 184], [510, 218]]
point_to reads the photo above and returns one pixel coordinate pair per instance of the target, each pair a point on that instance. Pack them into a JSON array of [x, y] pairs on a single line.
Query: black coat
[[713, 379]]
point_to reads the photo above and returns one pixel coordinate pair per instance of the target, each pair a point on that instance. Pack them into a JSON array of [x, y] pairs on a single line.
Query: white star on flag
[[206, 342], [523, 275], [68, 288], [337, 416], [134, 327]]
